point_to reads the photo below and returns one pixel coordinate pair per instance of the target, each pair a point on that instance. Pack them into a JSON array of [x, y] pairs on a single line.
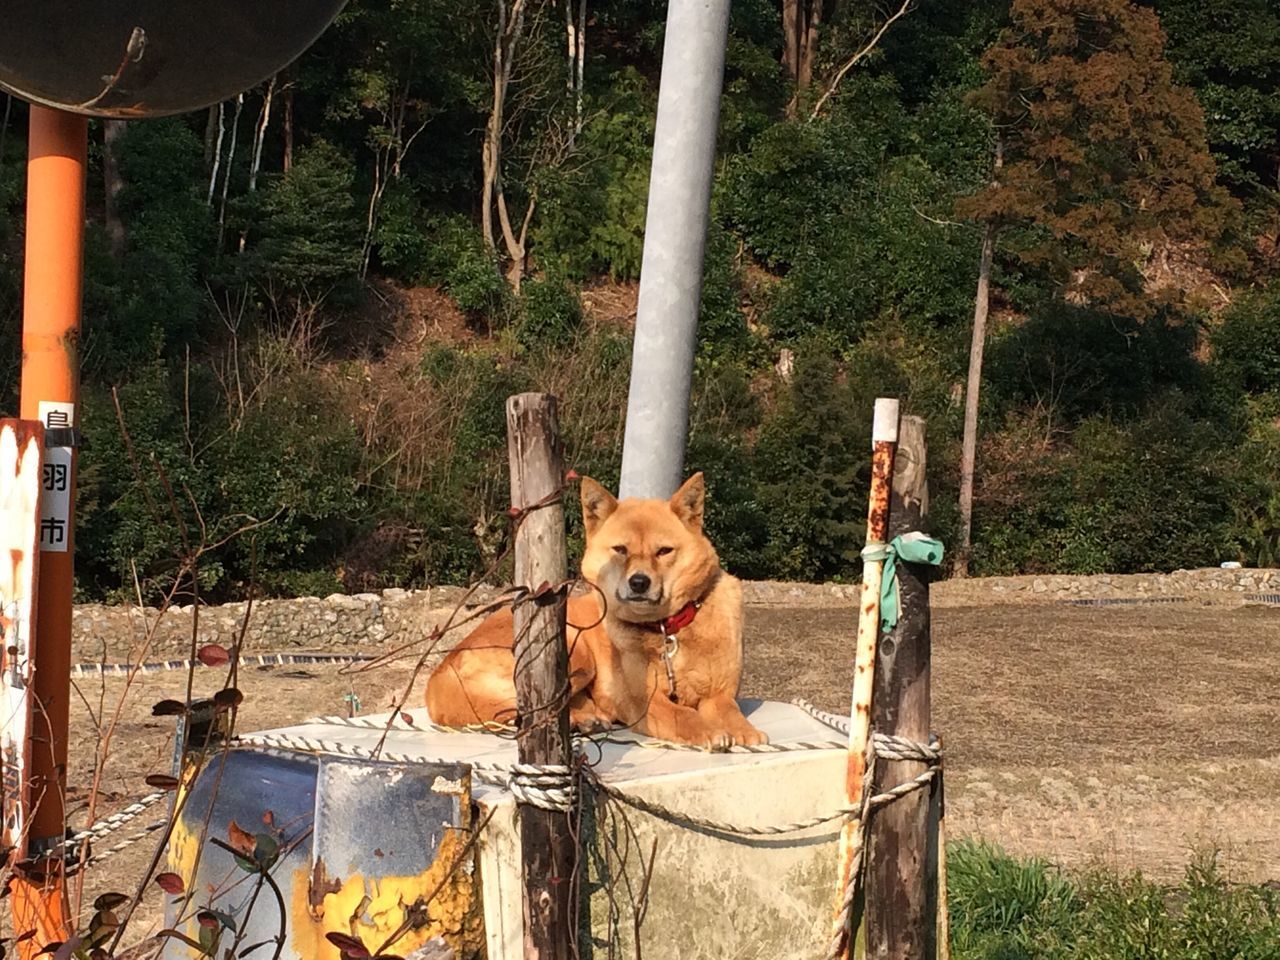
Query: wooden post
[[547, 843], [884, 442], [900, 906]]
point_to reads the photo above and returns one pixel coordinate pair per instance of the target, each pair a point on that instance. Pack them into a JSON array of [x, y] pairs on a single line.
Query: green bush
[[999, 905], [1158, 494], [722, 326], [550, 314], [1247, 343], [1007, 909], [811, 475], [151, 304], [403, 246], [848, 225], [1073, 363], [273, 496], [458, 261], [591, 213], [311, 226]]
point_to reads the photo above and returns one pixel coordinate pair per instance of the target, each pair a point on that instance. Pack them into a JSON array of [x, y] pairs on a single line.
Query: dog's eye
[[663, 551], [620, 550]]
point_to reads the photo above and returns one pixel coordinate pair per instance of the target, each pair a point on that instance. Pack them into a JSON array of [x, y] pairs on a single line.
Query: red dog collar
[[680, 619]]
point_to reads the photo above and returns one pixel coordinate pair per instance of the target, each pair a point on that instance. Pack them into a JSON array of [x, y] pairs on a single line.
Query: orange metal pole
[[50, 375]]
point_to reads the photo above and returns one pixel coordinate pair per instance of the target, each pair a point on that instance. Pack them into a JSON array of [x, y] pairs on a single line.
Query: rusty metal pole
[[901, 855], [50, 391], [542, 669], [884, 441]]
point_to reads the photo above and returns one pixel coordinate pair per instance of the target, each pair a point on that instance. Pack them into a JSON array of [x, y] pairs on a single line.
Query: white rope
[[399, 722], [551, 786], [124, 844], [107, 825], [832, 720], [550, 791], [791, 746]]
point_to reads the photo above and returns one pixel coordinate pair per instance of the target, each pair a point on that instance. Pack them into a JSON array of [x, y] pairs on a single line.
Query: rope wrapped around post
[[550, 787]]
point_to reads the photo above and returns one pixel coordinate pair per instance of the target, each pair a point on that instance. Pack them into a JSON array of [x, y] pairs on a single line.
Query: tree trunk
[[808, 44], [491, 151], [969, 444], [506, 41], [260, 135], [969, 447], [112, 131], [791, 31], [582, 60], [226, 175], [217, 155], [288, 128], [212, 127], [801, 20]]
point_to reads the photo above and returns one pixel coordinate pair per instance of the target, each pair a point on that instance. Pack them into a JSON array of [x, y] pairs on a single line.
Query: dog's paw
[[586, 722], [719, 741], [750, 737]]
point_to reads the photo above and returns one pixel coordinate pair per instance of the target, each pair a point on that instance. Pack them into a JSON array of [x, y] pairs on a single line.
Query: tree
[[973, 385], [1229, 52], [405, 64], [310, 231], [530, 127], [1106, 167], [800, 22]]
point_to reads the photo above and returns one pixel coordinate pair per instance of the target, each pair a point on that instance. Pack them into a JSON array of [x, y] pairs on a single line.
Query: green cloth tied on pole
[[912, 547]]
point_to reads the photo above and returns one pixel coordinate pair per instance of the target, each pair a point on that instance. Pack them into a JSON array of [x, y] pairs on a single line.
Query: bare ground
[[1119, 735]]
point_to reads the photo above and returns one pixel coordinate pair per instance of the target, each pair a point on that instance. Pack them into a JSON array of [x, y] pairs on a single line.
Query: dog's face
[[647, 557]]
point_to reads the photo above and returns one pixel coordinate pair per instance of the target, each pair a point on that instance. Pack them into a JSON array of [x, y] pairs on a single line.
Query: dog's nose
[[638, 582]]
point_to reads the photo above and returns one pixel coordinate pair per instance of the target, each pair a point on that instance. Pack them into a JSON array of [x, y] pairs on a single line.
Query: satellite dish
[[149, 58]]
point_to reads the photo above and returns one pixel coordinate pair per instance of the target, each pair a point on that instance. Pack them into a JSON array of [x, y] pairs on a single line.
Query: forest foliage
[[326, 289]]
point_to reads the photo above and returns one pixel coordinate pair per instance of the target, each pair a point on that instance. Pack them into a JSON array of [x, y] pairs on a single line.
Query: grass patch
[[1007, 909]]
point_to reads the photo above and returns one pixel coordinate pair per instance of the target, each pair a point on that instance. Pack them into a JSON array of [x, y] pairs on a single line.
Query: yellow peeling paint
[[183, 854], [373, 909]]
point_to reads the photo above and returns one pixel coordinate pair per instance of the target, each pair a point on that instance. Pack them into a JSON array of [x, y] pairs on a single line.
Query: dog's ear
[[597, 504], [688, 501]]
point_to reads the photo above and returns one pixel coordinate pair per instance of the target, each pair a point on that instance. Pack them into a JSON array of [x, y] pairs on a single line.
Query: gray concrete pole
[[675, 240]]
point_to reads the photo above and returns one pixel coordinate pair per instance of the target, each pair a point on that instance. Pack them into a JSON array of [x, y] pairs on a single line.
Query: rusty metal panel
[[391, 857], [20, 479], [373, 850]]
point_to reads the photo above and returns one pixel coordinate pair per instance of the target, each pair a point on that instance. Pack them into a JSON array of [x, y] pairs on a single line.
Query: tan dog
[[661, 600]]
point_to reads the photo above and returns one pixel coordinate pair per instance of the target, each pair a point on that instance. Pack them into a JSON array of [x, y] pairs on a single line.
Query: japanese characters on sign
[[55, 480]]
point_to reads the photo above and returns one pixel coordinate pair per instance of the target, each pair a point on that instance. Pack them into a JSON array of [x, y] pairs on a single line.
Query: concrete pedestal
[[366, 840]]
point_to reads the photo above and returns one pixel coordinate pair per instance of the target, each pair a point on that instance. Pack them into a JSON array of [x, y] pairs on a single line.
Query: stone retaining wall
[[1211, 583], [393, 617], [389, 618]]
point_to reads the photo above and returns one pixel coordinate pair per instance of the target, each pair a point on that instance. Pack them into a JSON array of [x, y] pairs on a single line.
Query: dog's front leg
[[680, 724]]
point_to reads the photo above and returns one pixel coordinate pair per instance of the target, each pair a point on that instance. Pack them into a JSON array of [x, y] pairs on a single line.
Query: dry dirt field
[[1124, 735]]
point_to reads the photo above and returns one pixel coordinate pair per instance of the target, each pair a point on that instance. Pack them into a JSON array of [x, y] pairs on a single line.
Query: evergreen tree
[[1106, 164]]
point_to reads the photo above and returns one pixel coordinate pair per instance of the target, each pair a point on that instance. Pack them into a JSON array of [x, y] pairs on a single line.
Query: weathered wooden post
[[900, 904], [548, 850], [884, 442]]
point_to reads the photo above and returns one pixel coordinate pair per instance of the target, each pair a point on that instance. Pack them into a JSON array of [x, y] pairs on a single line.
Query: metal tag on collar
[[671, 646]]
